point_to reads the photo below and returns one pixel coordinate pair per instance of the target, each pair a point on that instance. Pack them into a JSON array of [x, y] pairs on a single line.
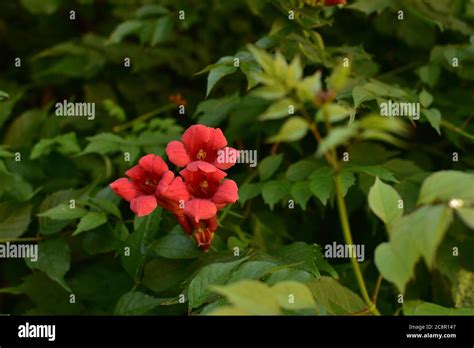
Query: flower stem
[[341, 204], [24, 239], [456, 129], [144, 117]]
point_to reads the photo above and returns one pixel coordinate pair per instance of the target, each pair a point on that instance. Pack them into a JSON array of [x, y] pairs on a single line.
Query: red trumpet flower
[[201, 143]]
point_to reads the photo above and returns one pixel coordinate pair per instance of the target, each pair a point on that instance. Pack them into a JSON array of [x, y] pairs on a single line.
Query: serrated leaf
[[213, 274], [309, 87], [14, 219], [337, 136], [301, 193], [334, 112], [53, 259], [64, 212], [301, 170], [89, 221], [252, 270], [431, 309], [137, 303], [321, 183], [467, 216], [275, 190]]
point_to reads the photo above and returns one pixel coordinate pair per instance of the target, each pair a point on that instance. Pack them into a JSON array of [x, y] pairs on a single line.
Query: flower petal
[[137, 174], [200, 209], [172, 188], [217, 140], [153, 164], [226, 158], [143, 205], [177, 153], [194, 137], [125, 189], [226, 193]]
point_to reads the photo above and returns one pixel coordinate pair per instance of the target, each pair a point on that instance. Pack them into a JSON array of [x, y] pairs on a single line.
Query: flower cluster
[[197, 194]]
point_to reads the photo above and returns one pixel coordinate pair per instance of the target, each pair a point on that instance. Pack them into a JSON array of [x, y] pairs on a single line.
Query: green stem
[[456, 129], [25, 239], [341, 204], [144, 117]]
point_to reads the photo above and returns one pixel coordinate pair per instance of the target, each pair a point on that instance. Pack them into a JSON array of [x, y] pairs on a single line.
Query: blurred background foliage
[[55, 50]]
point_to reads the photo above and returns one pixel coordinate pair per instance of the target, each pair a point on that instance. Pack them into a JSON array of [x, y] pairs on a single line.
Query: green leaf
[[263, 58], [335, 298], [64, 212], [369, 6], [269, 92], [375, 171], [425, 98], [301, 193], [250, 296], [292, 295], [360, 95], [3, 96], [411, 237], [213, 111], [162, 274], [347, 179], [434, 117], [307, 257], [274, 191], [446, 185], [53, 259], [125, 29], [213, 274], [427, 308], [293, 129], [279, 109], [249, 191], [41, 7], [301, 170], [223, 67], [104, 143], [269, 166], [334, 112], [107, 206], [89, 221], [321, 183], [137, 303], [14, 219], [466, 215], [337, 136], [252, 270], [177, 246], [339, 77], [65, 144], [133, 253], [309, 87], [162, 30], [383, 201]]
